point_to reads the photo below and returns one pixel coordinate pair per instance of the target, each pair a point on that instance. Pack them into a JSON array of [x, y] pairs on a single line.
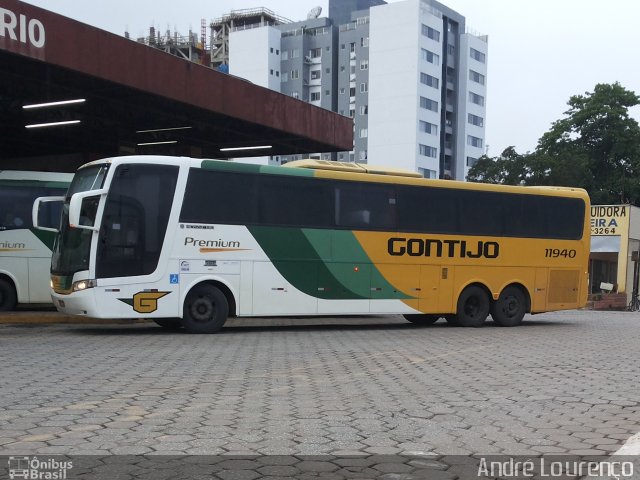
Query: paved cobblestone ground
[[561, 383]]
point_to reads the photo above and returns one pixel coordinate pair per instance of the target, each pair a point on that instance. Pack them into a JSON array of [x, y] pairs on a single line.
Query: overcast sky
[[540, 52]]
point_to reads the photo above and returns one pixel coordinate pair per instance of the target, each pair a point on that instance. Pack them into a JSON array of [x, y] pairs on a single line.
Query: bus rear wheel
[[205, 309], [473, 307], [509, 309], [8, 297], [422, 319]]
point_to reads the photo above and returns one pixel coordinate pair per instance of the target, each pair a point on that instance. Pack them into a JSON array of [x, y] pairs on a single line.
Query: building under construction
[[237, 20], [188, 47]]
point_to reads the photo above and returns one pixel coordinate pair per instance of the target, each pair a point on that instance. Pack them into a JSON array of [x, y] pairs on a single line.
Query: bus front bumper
[[77, 303]]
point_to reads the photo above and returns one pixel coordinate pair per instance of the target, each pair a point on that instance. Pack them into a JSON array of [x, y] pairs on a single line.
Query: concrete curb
[[631, 447], [52, 318]]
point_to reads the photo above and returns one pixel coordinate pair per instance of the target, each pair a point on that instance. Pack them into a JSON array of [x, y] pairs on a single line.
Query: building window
[[315, 96], [352, 91], [364, 133], [427, 127], [285, 76], [362, 154], [342, 90], [471, 161], [316, 74], [426, 173], [271, 72], [328, 48], [277, 51], [315, 52], [430, 57], [474, 141], [352, 112], [364, 109], [271, 49], [352, 47], [477, 99], [364, 87], [429, 80], [428, 104], [432, 33], [451, 49], [364, 41], [477, 55], [327, 70], [353, 69], [427, 151], [364, 64], [476, 120], [295, 53], [476, 77], [342, 68], [295, 95], [342, 46], [285, 55], [295, 74]]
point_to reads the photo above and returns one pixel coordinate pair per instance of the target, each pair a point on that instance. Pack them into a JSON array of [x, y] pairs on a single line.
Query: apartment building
[[408, 73]]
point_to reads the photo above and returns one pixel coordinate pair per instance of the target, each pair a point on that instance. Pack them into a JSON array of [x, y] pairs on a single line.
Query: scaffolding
[[187, 47], [237, 20]]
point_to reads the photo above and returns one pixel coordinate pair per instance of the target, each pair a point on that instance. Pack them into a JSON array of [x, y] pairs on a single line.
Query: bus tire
[[473, 307], [422, 319], [169, 323], [509, 309], [205, 309], [8, 296]]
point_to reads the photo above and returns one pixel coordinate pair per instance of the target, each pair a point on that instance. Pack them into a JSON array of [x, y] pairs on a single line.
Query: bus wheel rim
[[202, 310]]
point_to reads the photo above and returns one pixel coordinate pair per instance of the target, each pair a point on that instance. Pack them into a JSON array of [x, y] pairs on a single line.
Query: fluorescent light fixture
[[164, 129], [157, 143], [54, 104], [232, 149], [52, 124]]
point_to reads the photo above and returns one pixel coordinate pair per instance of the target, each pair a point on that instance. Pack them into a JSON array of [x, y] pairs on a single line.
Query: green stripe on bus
[[347, 256], [226, 166], [45, 237], [304, 258], [34, 183]]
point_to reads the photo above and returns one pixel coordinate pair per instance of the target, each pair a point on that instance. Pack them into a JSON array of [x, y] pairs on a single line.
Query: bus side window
[[371, 207]]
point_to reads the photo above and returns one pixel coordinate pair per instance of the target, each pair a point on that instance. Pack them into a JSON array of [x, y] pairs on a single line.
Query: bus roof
[[351, 167], [343, 171]]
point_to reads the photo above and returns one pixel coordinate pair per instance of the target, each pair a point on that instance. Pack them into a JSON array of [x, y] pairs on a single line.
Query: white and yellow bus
[[25, 252], [190, 242]]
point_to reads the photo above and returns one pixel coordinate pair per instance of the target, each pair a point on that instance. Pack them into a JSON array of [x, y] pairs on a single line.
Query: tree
[[596, 146], [508, 168], [598, 129]]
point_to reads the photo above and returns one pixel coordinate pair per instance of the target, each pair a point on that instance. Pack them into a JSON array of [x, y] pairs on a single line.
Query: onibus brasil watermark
[[544, 467], [33, 468]]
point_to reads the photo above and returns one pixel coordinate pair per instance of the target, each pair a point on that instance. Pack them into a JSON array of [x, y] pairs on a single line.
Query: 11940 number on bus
[[558, 253]]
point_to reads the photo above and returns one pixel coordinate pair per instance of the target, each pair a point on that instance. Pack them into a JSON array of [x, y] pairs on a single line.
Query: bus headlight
[[83, 285]]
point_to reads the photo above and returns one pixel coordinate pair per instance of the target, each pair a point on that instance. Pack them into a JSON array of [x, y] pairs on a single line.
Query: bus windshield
[[72, 245]]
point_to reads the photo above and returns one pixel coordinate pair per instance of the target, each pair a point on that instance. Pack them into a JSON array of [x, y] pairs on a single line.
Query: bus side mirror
[[83, 208], [45, 213]]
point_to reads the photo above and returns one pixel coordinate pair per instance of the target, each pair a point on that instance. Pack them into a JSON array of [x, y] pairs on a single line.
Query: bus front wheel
[[473, 307], [8, 297], [205, 309], [509, 309]]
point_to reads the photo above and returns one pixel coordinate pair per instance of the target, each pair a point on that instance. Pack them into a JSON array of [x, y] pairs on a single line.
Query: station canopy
[[72, 93]]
